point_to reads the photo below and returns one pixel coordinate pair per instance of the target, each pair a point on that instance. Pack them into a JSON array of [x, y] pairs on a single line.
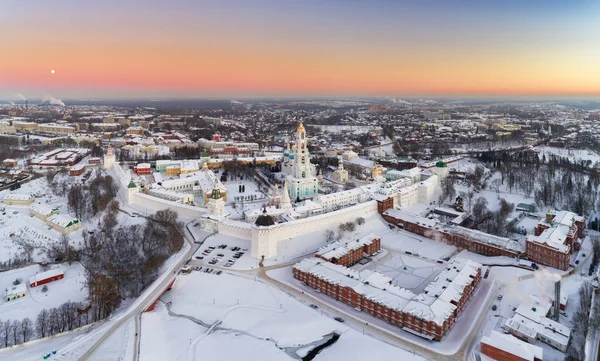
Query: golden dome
[[300, 127]]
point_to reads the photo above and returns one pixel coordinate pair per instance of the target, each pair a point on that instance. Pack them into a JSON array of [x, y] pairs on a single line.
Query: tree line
[[49, 322]]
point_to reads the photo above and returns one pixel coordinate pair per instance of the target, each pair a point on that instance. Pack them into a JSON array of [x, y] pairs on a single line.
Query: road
[[146, 299], [332, 308]]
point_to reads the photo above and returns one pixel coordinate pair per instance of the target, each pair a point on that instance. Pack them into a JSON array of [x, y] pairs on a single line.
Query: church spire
[[285, 203]]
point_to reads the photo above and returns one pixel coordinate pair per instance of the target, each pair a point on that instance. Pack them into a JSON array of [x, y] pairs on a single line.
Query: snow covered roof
[[513, 345], [379, 288], [42, 209], [546, 328], [340, 248], [52, 272], [430, 309], [18, 197], [16, 290], [449, 285], [472, 234], [534, 310], [63, 221]]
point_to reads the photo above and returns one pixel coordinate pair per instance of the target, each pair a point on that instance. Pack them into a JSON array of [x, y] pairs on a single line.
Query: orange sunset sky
[[275, 48]]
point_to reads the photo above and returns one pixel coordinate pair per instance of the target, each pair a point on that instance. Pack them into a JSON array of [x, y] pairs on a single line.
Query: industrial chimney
[[556, 300]]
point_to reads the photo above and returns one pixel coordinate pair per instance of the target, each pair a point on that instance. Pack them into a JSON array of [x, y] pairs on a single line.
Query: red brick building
[[555, 238], [77, 170], [429, 315], [142, 169], [461, 237], [347, 253], [501, 347]]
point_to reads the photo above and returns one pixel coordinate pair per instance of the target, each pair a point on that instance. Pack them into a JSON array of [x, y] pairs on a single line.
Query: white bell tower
[[109, 158]]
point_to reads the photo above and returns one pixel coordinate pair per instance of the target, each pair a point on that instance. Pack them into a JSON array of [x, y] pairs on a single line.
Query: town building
[[9, 163], [15, 292], [426, 315], [47, 276], [555, 238], [54, 128], [501, 347], [60, 157], [17, 199], [303, 182], [199, 182], [461, 237], [42, 212], [217, 147], [135, 130], [348, 252], [6, 128], [64, 224], [77, 170], [22, 126], [530, 323], [143, 169]]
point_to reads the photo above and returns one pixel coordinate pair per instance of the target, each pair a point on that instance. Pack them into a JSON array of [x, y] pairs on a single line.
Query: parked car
[[339, 319], [313, 306], [494, 308], [499, 297]]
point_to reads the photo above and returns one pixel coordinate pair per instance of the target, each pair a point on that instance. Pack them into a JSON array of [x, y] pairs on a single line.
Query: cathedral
[[302, 182]]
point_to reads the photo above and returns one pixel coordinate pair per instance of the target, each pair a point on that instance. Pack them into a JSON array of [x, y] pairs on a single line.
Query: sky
[[237, 48]]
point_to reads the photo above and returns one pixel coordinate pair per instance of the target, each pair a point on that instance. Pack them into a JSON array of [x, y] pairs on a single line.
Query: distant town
[[426, 229]]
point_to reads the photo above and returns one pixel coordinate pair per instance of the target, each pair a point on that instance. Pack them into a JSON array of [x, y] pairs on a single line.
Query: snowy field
[[19, 231], [71, 288], [229, 317], [251, 189], [574, 155]]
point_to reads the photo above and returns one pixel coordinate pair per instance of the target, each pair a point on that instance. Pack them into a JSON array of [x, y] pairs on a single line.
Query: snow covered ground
[[452, 343], [70, 288], [574, 155], [408, 272], [19, 231], [306, 245], [229, 316]]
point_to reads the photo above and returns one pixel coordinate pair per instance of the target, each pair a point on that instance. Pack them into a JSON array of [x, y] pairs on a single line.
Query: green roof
[[440, 164], [132, 185]]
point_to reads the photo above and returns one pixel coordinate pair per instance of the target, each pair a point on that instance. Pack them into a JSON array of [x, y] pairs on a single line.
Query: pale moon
[[52, 71]]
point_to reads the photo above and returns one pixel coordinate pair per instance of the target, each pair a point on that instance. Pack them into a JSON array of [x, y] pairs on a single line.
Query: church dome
[[300, 127], [264, 220]]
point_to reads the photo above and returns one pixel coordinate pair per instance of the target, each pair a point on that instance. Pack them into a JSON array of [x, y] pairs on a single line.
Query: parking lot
[[221, 255]]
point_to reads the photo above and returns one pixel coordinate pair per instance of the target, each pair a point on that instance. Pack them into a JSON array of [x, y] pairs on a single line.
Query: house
[[15, 292], [64, 224], [142, 169], [17, 199], [77, 170], [499, 346], [42, 212], [40, 278]]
